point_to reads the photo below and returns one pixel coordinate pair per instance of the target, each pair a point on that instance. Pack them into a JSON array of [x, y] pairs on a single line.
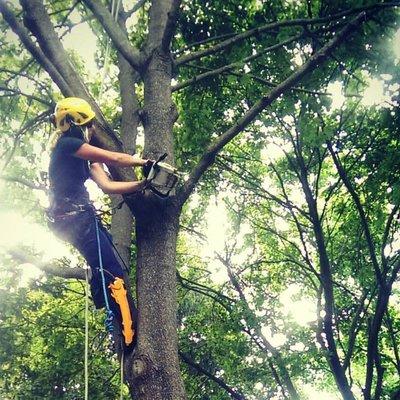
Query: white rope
[[87, 335], [114, 13], [122, 377]]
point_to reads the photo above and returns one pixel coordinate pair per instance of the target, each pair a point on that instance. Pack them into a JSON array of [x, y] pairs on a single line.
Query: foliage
[[265, 317]]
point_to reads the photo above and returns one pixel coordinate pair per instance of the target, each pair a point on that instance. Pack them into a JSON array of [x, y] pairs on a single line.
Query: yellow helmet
[[72, 109]]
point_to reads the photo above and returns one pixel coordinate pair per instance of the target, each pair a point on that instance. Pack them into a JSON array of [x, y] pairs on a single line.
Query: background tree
[[206, 82]]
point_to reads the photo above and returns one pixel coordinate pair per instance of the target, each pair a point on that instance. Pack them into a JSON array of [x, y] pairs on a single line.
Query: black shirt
[[68, 173]]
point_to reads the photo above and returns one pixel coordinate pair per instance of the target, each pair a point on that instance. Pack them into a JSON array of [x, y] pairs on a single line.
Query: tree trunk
[[155, 373]]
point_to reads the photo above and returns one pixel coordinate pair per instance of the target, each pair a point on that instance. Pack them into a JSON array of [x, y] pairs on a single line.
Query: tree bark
[[155, 367], [156, 374]]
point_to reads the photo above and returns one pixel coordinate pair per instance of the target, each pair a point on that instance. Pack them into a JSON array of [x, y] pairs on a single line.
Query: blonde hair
[[58, 133], [53, 140]]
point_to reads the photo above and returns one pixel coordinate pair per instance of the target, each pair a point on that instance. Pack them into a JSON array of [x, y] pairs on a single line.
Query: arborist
[[72, 217]]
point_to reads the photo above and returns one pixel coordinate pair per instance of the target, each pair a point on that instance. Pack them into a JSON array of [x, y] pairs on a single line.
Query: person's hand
[[148, 163]]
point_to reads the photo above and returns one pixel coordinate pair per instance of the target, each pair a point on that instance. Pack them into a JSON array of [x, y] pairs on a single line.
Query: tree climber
[[72, 217]]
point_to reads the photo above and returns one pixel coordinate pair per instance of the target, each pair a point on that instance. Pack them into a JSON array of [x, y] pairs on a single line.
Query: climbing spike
[[118, 292]]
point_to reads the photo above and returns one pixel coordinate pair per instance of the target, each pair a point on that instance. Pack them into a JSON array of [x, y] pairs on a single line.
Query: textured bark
[[158, 112], [156, 365], [156, 373]]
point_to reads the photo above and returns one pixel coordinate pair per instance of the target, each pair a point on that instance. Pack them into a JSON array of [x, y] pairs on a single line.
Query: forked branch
[[118, 37]]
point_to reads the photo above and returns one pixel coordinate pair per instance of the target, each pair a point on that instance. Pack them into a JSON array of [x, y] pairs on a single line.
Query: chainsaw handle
[[154, 167], [161, 158]]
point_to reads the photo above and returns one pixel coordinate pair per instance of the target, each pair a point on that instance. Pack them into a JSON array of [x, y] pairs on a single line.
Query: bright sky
[[17, 230]]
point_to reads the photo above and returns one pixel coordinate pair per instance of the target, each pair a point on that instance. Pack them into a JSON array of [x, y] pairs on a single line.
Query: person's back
[[68, 173]]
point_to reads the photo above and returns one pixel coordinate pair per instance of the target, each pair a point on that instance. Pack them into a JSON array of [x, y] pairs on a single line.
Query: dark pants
[[80, 230]]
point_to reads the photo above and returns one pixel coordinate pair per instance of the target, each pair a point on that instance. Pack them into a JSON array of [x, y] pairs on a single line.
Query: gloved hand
[[147, 167]]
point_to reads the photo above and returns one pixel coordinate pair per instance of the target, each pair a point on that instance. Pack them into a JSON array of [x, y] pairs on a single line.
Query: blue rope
[[109, 314]]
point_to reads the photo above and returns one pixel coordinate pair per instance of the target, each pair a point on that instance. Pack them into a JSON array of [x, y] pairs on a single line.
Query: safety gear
[[161, 177], [118, 292], [72, 110]]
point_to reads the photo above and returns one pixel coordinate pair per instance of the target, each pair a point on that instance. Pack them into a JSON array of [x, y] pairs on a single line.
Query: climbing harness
[[162, 177]]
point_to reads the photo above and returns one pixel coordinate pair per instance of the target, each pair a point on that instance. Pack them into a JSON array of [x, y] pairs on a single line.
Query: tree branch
[[352, 334], [373, 338], [361, 212], [385, 238], [277, 25], [31, 124], [162, 23], [170, 26], [234, 394], [230, 67], [220, 298], [24, 182], [326, 279], [274, 352], [37, 53], [29, 96], [68, 273], [121, 42], [286, 203], [208, 157], [135, 8], [208, 40], [15, 74], [393, 338]]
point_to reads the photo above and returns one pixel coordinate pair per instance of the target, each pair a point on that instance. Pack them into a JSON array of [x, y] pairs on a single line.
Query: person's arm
[[93, 153], [111, 187]]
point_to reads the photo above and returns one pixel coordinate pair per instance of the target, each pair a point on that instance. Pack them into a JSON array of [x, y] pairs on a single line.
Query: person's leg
[[117, 296], [81, 232]]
